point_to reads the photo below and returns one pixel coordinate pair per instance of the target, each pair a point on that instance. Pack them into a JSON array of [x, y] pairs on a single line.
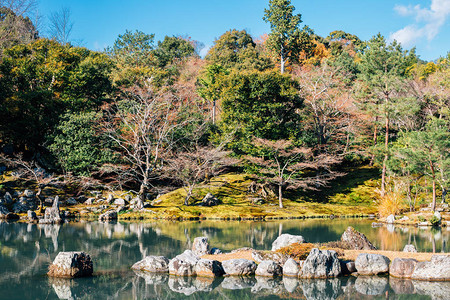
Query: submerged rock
[[71, 264], [269, 268], [285, 240], [437, 269], [153, 264], [239, 267], [372, 264], [356, 240], [200, 246], [321, 264], [402, 267]]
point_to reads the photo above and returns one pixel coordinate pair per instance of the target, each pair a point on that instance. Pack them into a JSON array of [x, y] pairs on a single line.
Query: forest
[[294, 110]]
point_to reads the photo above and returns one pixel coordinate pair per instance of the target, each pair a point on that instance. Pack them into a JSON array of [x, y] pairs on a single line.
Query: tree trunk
[[386, 149], [214, 112], [282, 61], [188, 195], [141, 196], [433, 205], [280, 195], [38, 195], [375, 137]]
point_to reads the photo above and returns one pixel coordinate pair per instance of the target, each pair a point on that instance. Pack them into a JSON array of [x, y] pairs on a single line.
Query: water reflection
[[26, 250]]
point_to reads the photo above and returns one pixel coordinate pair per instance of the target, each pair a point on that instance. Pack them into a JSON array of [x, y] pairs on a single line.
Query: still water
[[26, 251]]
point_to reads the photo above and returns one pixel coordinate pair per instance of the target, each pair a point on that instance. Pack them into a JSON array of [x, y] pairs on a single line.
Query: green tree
[[383, 69], [173, 49], [285, 33], [236, 49]]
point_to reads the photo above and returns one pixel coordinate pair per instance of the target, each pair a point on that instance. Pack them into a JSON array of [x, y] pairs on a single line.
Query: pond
[[26, 250]]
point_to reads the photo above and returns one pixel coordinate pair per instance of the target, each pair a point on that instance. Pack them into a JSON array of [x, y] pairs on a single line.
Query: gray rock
[[372, 264], [153, 264], [183, 264], [239, 267], [321, 264], [348, 267], [238, 282], [285, 240], [119, 201], [215, 251], [28, 193], [3, 211], [128, 198], [390, 219], [71, 264], [71, 201], [268, 268], [260, 256], [209, 268], [410, 248], [89, 201], [21, 206], [371, 285], [210, 200], [438, 215], [107, 216], [31, 215], [52, 214], [356, 240], [200, 246], [110, 199], [291, 268], [402, 267], [7, 198], [438, 269]]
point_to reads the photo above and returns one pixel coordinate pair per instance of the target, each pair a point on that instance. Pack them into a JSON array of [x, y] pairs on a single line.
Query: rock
[[71, 264], [200, 246], [89, 201], [348, 267], [119, 201], [52, 214], [291, 268], [71, 201], [121, 209], [371, 285], [269, 268], [290, 283], [110, 199], [215, 251], [31, 215], [410, 248], [438, 269], [356, 240], [321, 264], [3, 211], [152, 278], [153, 264], [423, 224], [402, 267], [372, 264], [273, 286], [285, 240], [438, 215], [7, 198], [128, 198], [183, 264], [21, 206], [28, 193], [209, 268], [210, 200], [434, 290], [260, 256], [321, 289], [390, 219], [182, 285], [107, 216], [238, 282], [239, 267]]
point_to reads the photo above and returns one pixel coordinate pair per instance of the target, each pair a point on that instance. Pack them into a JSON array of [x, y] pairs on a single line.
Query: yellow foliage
[[297, 251], [391, 204]]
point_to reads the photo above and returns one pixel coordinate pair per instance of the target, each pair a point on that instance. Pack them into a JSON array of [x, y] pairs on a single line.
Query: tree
[[236, 49], [284, 164], [285, 32], [140, 128], [15, 29], [61, 25], [173, 49], [383, 68]]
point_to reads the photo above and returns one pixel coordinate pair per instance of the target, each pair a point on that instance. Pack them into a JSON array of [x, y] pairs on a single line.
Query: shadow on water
[[26, 251]]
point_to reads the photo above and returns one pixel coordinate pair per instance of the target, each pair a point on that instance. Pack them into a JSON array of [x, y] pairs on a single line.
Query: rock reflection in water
[[372, 285], [273, 286], [322, 289]]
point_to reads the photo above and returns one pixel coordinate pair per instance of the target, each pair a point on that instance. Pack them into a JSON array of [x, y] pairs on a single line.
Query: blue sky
[[424, 24]]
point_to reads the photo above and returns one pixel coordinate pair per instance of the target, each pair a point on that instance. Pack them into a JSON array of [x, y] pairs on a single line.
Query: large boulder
[[372, 264], [71, 265], [209, 268], [210, 200], [108, 216], [52, 214], [183, 264], [153, 264], [31, 216], [291, 268], [269, 268], [285, 240], [200, 246], [321, 264], [356, 240], [402, 267], [438, 269], [239, 267]]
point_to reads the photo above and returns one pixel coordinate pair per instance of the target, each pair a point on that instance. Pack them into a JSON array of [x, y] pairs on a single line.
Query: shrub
[[391, 204], [421, 219], [297, 251], [435, 221]]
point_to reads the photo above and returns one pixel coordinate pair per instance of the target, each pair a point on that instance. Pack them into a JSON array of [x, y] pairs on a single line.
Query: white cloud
[[428, 22]]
